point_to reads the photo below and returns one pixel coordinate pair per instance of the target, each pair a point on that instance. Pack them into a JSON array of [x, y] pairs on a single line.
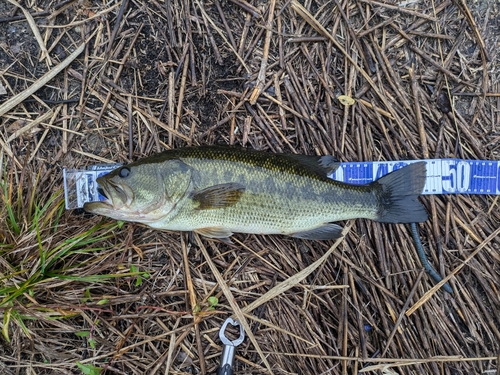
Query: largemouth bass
[[217, 191]]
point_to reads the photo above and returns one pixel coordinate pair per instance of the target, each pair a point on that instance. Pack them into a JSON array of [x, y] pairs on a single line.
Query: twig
[[218, 57], [130, 128], [247, 7], [226, 26], [77, 23], [297, 278], [433, 290], [304, 13], [40, 82], [219, 31], [239, 313], [117, 26], [30, 125], [36, 32], [261, 78], [418, 114], [402, 315], [189, 38], [400, 9], [119, 71], [180, 101], [438, 66], [192, 297]]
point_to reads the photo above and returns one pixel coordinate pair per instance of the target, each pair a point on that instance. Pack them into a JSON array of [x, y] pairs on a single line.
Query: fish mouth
[[118, 203], [99, 207], [116, 198], [102, 207], [101, 191]]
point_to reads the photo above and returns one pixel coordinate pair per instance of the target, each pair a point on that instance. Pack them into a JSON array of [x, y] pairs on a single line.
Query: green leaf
[[6, 320], [92, 343], [138, 281], [19, 319], [197, 309], [213, 301], [86, 296], [88, 369], [140, 275], [82, 333]]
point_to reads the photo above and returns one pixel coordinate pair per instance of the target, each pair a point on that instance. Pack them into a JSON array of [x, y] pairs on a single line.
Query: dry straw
[[362, 80]]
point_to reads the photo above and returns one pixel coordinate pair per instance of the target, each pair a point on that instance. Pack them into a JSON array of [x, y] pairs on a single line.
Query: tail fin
[[398, 192]]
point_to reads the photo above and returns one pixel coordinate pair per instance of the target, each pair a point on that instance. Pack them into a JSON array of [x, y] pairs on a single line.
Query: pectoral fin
[[218, 196], [220, 233], [325, 232]]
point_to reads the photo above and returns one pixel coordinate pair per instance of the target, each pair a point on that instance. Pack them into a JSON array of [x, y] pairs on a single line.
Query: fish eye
[[124, 172]]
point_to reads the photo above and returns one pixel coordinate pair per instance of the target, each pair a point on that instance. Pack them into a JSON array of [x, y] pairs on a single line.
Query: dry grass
[[153, 75]]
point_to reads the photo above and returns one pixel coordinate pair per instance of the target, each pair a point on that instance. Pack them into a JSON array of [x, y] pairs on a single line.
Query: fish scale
[[270, 198]]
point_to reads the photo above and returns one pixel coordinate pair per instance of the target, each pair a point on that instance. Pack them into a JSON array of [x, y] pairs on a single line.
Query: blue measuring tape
[[444, 176]]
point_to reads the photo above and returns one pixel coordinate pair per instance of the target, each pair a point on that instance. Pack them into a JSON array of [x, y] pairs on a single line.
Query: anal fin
[[220, 233], [327, 231]]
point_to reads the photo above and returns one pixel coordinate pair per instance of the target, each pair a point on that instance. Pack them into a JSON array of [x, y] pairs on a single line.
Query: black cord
[[425, 262]]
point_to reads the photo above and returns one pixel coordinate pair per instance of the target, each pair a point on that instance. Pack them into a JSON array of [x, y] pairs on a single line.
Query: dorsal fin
[[322, 165]]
